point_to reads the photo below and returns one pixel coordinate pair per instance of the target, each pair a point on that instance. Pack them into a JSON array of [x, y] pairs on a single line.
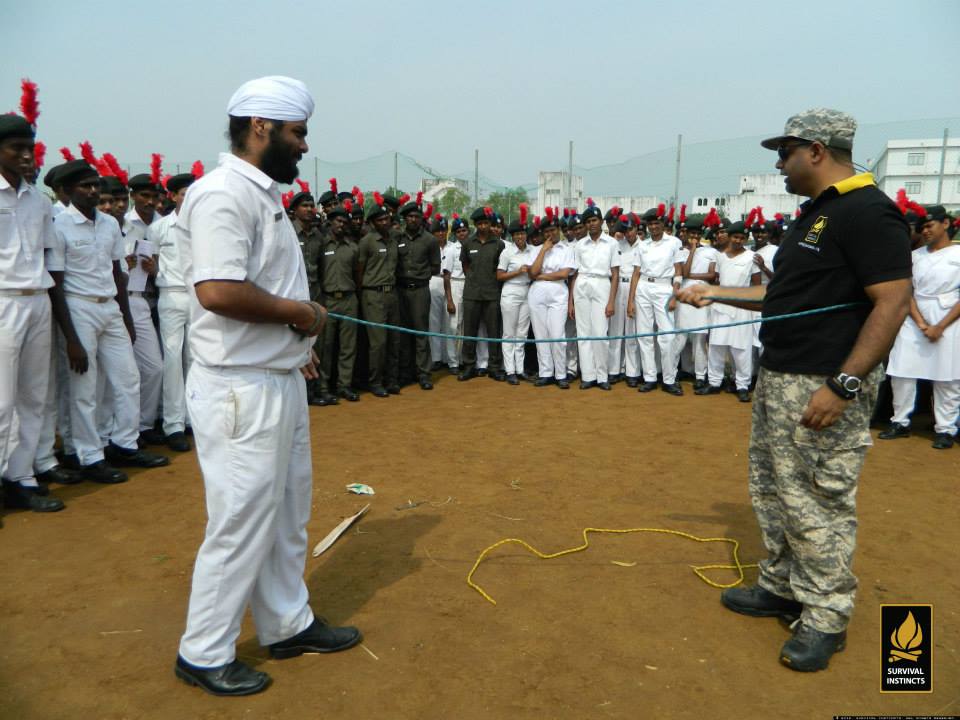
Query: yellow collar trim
[[854, 182]]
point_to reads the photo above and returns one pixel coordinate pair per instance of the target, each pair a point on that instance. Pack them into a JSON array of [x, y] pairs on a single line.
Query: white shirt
[[557, 258], [232, 226], [767, 252], [170, 268], [597, 257], [703, 257], [134, 229], [454, 266], [512, 259], [628, 257], [85, 250], [58, 207], [736, 271], [26, 230], [657, 258]]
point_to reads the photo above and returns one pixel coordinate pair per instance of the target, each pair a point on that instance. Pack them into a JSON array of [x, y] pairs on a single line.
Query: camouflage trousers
[[803, 485]]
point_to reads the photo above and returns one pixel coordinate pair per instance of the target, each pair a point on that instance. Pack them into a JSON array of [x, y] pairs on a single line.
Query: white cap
[[273, 98]]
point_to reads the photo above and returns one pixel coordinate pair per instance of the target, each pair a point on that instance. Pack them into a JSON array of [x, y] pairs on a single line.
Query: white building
[[765, 190], [433, 188], [638, 204], [554, 189], [914, 165]]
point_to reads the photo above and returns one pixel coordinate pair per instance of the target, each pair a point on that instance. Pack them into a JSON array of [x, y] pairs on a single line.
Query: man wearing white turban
[[252, 324]]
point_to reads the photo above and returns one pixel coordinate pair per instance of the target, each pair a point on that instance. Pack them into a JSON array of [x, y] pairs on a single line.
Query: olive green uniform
[[310, 247], [337, 262], [481, 299], [418, 258], [378, 299]]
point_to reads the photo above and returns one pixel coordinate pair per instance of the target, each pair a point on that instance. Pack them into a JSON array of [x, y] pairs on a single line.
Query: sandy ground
[[94, 598]]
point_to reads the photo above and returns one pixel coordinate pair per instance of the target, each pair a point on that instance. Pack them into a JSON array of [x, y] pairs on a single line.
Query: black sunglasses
[[784, 151]]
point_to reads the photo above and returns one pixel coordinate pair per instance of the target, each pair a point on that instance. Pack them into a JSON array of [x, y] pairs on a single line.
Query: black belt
[[338, 294], [379, 288], [407, 284]]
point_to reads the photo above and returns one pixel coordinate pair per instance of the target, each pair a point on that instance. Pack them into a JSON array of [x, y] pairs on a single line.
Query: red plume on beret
[[67, 155], [428, 212], [536, 221], [456, 216], [556, 211], [590, 202], [155, 160], [403, 198], [917, 209], [39, 153], [164, 180], [523, 213], [348, 205], [420, 197], [636, 220], [197, 170], [797, 213], [661, 209], [86, 152], [712, 219], [378, 198], [358, 196], [355, 191], [333, 185], [114, 167], [566, 212], [549, 213], [286, 198], [28, 101], [615, 211], [751, 217], [902, 200], [488, 211], [683, 214], [304, 186], [778, 218], [670, 214], [760, 218], [439, 216]]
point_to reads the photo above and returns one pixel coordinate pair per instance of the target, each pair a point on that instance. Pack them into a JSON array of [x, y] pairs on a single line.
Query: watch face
[[851, 384]]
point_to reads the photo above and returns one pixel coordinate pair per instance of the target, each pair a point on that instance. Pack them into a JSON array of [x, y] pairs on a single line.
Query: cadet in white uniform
[[768, 238], [597, 257], [700, 267], [441, 297], [26, 232], [656, 277], [623, 357], [736, 268], [577, 230], [928, 345], [251, 324], [512, 270], [173, 308], [457, 279], [549, 303]]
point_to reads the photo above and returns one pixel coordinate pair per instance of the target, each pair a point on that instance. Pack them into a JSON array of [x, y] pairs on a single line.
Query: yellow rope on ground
[[698, 569]]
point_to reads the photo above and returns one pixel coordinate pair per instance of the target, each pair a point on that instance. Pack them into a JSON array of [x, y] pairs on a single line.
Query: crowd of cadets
[[119, 306]]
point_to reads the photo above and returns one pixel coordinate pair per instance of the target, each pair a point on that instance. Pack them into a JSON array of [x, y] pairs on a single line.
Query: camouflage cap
[[831, 128]]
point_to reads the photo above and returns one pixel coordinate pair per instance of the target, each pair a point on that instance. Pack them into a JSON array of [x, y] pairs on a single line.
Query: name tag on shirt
[[402, 245], [7, 211], [329, 252], [473, 252], [383, 250], [277, 217]]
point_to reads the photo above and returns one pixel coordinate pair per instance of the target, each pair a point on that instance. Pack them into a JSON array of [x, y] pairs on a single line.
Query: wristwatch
[[844, 385]]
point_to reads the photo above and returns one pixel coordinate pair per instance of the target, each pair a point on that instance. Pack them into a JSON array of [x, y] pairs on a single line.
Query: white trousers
[[698, 343], [946, 403], [252, 434], [25, 336], [103, 335], [590, 296], [174, 311], [623, 356], [439, 321], [58, 386], [456, 325], [548, 315], [146, 350], [742, 363], [572, 351], [516, 324], [650, 305]]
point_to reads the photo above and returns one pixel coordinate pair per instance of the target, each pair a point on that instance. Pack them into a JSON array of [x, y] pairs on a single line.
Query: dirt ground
[[93, 598]]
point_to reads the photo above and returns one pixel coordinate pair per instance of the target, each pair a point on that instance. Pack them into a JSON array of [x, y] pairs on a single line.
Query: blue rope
[[657, 333]]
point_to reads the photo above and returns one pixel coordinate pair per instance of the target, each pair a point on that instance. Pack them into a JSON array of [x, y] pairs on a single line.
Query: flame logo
[[904, 639], [819, 225]]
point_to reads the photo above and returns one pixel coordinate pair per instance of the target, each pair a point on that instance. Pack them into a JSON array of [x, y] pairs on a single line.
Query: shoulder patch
[[813, 234]]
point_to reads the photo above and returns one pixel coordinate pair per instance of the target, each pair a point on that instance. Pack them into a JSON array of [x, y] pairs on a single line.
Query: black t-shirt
[[849, 237]]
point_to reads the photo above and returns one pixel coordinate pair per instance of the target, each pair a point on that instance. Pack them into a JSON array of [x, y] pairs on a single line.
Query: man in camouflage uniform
[[818, 381]]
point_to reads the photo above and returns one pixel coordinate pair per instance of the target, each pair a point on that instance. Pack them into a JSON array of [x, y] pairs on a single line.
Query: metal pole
[[569, 202], [316, 175], [395, 188], [476, 176], [943, 163], [676, 176]]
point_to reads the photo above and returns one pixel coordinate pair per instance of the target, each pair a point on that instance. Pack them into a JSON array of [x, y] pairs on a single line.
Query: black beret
[[112, 185], [439, 224], [574, 220], [142, 182], [335, 212], [410, 207], [651, 215], [391, 200], [75, 171], [178, 182], [329, 197], [377, 211], [516, 226], [480, 214], [14, 126], [738, 227], [592, 211], [937, 213], [458, 223], [50, 179], [299, 198], [357, 211], [625, 223], [341, 195]]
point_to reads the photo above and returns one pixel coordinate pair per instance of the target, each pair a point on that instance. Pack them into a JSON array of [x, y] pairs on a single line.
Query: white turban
[[272, 98]]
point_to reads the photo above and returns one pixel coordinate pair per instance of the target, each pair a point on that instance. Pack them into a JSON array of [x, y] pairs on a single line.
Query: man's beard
[[278, 161]]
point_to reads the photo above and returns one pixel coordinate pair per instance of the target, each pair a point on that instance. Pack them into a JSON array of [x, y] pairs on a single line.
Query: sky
[[436, 80]]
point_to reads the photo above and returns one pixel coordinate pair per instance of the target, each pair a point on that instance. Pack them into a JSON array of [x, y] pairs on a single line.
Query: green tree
[[506, 202], [453, 201]]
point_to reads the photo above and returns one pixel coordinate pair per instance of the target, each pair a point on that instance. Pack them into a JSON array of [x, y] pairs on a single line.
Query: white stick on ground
[[334, 534]]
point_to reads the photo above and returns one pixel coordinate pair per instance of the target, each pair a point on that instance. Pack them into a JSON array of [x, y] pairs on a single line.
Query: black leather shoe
[[708, 390], [101, 472], [563, 384], [237, 678], [482, 372], [513, 379], [498, 375], [647, 387], [755, 601], [673, 389], [121, 457], [60, 475], [810, 650], [614, 379], [425, 383], [152, 437], [604, 386], [70, 461], [543, 382], [587, 384], [743, 396], [318, 638], [393, 389], [467, 375], [895, 431], [16, 495], [437, 366], [327, 399], [349, 394], [178, 442], [943, 441], [697, 384], [633, 382]]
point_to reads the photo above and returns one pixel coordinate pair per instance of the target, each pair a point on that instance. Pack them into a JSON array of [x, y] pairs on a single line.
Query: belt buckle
[[388, 288]]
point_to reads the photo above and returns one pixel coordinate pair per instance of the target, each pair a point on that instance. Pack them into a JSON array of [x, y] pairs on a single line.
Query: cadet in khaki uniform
[[376, 274], [481, 295], [304, 214], [418, 260], [337, 261]]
